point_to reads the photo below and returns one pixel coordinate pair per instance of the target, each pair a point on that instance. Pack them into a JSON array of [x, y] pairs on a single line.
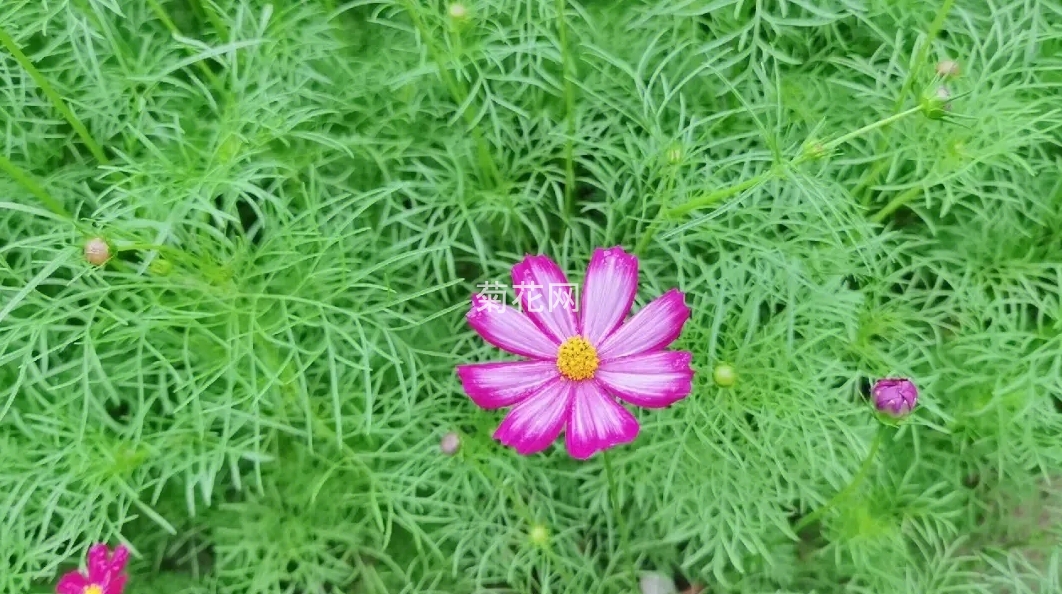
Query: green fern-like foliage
[[299, 198]]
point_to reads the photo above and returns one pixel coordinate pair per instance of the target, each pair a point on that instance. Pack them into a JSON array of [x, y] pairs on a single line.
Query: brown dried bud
[[97, 252]]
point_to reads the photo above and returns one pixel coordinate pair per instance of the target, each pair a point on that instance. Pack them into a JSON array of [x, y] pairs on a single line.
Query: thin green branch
[[458, 92], [569, 107], [777, 171], [621, 522], [857, 480], [912, 75], [94, 147], [33, 187], [167, 22]]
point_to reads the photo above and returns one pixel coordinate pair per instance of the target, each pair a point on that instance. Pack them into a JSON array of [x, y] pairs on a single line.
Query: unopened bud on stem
[[895, 397], [937, 104], [97, 252], [539, 535], [724, 375]]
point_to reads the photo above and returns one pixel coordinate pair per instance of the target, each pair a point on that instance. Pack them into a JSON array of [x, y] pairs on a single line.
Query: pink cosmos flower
[[579, 360], [105, 573]]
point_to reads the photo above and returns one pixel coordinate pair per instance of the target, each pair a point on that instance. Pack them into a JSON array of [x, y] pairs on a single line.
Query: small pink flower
[[895, 396], [581, 361], [105, 573]]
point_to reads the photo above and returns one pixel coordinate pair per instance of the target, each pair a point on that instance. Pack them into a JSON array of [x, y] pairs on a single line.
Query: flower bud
[[895, 397], [457, 11], [724, 375], [936, 105], [160, 266], [674, 155], [948, 68], [97, 252], [450, 443], [813, 149], [539, 535]]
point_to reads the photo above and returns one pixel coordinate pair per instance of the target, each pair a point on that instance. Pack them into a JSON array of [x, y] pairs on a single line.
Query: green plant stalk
[[621, 524], [859, 477], [650, 231], [713, 197], [33, 187], [920, 58], [900, 200], [457, 91], [522, 508], [776, 171], [208, 13], [569, 109], [923, 51], [9, 43], [167, 22]]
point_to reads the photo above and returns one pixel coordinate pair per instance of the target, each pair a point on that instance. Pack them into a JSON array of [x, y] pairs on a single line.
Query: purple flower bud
[[895, 396]]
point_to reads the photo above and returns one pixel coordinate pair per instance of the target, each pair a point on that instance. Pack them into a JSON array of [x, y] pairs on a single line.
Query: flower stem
[[860, 475], [33, 187], [912, 75], [569, 108], [522, 508], [617, 514], [167, 22], [870, 127], [650, 230], [776, 171], [713, 197], [900, 200], [57, 100], [457, 91]]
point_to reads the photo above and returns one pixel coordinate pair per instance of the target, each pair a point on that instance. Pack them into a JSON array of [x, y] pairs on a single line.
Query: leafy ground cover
[[247, 382]]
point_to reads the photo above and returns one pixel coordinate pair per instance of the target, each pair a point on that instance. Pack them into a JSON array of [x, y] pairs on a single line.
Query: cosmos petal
[[597, 422], [502, 384], [654, 327], [116, 585], [533, 424], [653, 380], [98, 561], [509, 329], [608, 292], [546, 296], [72, 583]]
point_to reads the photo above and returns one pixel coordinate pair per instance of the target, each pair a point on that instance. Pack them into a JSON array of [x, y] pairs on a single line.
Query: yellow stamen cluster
[[93, 589], [577, 359]]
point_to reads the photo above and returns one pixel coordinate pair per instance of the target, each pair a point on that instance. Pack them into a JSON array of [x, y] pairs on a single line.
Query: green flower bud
[[724, 375], [813, 149], [160, 266], [675, 155], [936, 105], [457, 11], [539, 535]]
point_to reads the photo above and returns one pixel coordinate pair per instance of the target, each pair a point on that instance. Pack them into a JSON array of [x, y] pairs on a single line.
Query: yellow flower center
[[93, 589], [577, 359]]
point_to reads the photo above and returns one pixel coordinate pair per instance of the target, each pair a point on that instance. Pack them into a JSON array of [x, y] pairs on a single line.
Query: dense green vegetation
[[250, 384]]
